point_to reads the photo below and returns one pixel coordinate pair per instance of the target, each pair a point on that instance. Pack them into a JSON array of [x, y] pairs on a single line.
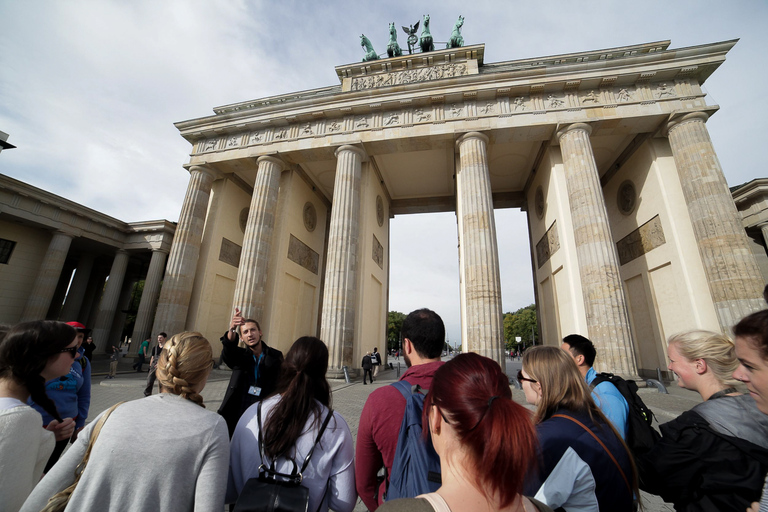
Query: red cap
[[77, 325]]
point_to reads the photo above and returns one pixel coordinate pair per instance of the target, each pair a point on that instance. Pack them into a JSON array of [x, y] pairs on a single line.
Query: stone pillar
[[108, 304], [77, 289], [57, 301], [121, 311], [176, 292], [39, 300], [148, 302], [93, 292], [480, 262], [340, 293], [604, 300], [250, 287], [733, 275]]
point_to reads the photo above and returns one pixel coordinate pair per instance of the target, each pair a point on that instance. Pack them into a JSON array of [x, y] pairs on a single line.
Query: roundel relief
[[380, 210], [539, 203], [243, 218], [627, 197], [310, 216]]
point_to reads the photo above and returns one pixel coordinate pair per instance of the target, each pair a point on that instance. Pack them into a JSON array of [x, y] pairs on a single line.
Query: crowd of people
[[447, 436]]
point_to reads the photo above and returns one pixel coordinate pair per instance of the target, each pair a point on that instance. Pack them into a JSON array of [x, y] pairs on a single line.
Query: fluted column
[[338, 317], [77, 289], [148, 302], [109, 300], [604, 301], [734, 277], [480, 261], [179, 279], [250, 287], [39, 300]]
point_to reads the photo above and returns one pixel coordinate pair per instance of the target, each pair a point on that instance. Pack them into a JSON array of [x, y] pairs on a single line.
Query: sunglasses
[[72, 351], [520, 377]]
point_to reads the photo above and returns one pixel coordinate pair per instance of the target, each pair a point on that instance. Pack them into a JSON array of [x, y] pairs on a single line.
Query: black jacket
[[242, 362], [367, 364], [711, 458]]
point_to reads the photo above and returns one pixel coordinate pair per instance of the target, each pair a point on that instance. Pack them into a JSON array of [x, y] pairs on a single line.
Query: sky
[[89, 92]]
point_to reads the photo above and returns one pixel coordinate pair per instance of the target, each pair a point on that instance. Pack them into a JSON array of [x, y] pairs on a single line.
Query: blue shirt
[[71, 394], [610, 401]]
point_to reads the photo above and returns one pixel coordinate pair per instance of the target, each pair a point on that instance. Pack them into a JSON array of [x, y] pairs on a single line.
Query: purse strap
[[294, 474], [601, 444]]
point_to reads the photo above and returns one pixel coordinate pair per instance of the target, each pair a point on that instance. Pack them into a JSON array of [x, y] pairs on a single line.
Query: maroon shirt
[[377, 433]]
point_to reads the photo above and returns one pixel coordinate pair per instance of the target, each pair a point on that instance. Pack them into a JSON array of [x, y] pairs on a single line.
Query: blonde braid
[[186, 360]]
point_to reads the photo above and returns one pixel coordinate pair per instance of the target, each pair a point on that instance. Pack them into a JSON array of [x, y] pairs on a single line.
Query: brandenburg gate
[[633, 232]]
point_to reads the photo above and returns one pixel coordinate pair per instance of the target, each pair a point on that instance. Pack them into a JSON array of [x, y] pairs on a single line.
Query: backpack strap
[[600, 378], [405, 389], [621, 471]]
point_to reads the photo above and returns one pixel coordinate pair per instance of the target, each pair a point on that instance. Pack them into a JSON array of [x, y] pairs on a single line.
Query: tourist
[[423, 334], [70, 393], [114, 358], [607, 397], [255, 368], [713, 456], [154, 358], [89, 347], [30, 354], [291, 421], [751, 341], [162, 452], [486, 442], [377, 362], [367, 367], [142, 356], [585, 465]]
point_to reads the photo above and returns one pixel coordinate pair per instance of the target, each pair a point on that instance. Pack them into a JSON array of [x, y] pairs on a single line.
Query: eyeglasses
[[72, 351], [520, 377]]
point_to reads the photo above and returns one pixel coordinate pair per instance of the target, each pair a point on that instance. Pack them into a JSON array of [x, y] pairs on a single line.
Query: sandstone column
[[176, 292], [480, 262], [604, 301], [339, 297], [251, 283], [108, 304], [732, 272], [77, 289], [148, 302], [39, 299]]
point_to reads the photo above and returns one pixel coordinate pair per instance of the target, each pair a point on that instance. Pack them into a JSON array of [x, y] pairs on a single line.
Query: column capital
[[685, 118], [61, 232], [273, 160], [355, 149], [213, 173], [471, 135], [572, 127]]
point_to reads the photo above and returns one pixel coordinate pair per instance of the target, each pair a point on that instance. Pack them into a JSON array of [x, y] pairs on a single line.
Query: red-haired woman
[[486, 442]]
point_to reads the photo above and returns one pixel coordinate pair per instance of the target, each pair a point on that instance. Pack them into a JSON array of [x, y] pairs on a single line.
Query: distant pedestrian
[[376, 360], [89, 347], [143, 353], [367, 367], [155, 356], [113, 359]]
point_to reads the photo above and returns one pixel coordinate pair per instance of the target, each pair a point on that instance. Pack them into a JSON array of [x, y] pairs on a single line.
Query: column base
[[338, 373]]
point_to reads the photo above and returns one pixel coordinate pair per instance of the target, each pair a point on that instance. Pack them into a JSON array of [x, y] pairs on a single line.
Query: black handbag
[[278, 492]]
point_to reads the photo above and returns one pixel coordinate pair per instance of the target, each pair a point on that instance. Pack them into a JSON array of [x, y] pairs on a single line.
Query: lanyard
[[256, 370]]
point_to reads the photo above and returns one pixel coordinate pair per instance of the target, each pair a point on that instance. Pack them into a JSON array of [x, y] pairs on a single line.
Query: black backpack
[[641, 436]]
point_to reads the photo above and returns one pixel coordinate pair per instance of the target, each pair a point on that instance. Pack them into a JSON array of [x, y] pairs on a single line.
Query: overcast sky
[[89, 92]]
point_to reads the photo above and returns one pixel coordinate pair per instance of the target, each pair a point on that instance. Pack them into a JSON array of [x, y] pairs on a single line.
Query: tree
[[394, 326], [521, 323]]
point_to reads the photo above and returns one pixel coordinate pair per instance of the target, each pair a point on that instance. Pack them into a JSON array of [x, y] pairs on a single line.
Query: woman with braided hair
[[162, 452], [30, 354], [293, 419]]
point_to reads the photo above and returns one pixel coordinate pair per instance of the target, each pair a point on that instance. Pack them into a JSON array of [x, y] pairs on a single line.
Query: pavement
[[349, 398]]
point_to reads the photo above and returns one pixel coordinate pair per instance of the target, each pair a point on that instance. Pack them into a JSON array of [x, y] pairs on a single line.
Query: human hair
[[252, 321], [185, 362], [426, 331], [25, 351], [302, 385], [581, 346], [473, 395], [716, 349], [755, 328], [162, 333]]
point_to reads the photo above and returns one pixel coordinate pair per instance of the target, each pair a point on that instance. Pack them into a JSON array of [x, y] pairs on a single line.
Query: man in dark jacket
[[255, 368], [367, 367]]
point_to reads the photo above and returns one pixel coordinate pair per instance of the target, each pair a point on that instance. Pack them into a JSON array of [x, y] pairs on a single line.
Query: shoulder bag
[[278, 492]]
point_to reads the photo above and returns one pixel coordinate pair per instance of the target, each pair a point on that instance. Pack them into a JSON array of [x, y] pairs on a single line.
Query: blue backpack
[[416, 468]]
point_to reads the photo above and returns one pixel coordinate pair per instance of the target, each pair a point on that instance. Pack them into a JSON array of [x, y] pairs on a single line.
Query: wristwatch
[[233, 329]]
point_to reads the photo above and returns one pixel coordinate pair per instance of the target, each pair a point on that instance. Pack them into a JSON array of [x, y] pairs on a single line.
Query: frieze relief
[[548, 245], [302, 254], [641, 241], [409, 76]]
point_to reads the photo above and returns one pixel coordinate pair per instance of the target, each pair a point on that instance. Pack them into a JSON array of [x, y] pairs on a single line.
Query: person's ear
[[701, 366], [580, 360], [537, 388], [407, 345], [435, 420]]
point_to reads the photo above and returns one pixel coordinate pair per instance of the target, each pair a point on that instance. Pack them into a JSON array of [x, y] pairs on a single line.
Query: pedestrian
[[89, 347], [30, 354], [376, 360], [367, 365], [142, 355], [162, 452], [113, 360], [292, 419], [155, 356]]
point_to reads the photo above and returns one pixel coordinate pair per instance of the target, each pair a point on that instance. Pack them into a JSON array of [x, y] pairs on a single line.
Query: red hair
[[474, 397]]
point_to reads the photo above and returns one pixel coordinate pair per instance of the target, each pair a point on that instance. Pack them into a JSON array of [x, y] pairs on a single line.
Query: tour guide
[[255, 368]]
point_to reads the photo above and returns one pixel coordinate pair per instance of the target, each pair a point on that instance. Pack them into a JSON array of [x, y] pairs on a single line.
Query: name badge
[[254, 390]]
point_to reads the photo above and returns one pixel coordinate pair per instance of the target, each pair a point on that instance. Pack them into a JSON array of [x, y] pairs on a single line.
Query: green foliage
[[521, 323], [394, 326]]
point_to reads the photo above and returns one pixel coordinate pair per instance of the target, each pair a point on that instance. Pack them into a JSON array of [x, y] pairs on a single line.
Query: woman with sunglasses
[[162, 452], [30, 354], [585, 465], [486, 442]]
